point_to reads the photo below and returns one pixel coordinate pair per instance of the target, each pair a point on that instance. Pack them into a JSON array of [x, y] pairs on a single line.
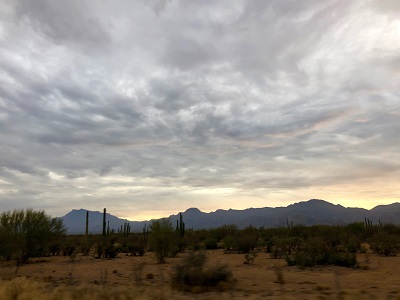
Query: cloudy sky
[[151, 107]]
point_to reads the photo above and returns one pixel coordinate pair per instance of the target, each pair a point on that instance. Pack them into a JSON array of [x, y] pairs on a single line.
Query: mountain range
[[311, 212]]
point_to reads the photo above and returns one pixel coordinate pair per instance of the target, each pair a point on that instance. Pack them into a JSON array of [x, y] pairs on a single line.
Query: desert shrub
[[246, 240], [277, 252], [268, 244], [210, 243], [191, 274], [224, 231], [245, 243], [106, 249], [134, 244], [178, 246], [385, 244], [140, 250], [284, 246], [350, 244], [85, 245], [175, 248], [194, 239], [99, 250], [312, 252], [305, 259], [356, 229], [162, 238], [69, 248], [250, 257], [343, 259], [279, 275], [230, 243], [111, 250], [135, 249], [28, 233], [317, 251], [391, 229], [300, 231], [55, 248]]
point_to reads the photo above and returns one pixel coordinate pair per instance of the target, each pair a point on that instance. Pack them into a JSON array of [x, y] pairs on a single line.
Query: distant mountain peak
[[193, 210], [313, 202]]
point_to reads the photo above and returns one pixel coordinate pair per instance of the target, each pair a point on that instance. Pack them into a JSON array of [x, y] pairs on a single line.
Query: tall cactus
[[87, 223], [368, 222], [126, 228], [181, 225], [144, 232], [104, 222], [85, 242]]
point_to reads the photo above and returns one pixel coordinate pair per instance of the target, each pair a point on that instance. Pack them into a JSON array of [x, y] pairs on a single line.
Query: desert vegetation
[[28, 237], [28, 233]]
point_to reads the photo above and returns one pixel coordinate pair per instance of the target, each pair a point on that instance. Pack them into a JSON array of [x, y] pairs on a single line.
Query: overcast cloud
[[151, 107]]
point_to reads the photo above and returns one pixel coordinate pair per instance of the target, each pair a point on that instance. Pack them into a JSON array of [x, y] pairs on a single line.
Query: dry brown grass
[[89, 278]]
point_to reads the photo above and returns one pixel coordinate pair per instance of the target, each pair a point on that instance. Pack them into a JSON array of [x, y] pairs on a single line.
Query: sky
[[149, 108]]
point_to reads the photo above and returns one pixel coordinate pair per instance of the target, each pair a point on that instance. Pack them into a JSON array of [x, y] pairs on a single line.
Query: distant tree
[[161, 238], [28, 233]]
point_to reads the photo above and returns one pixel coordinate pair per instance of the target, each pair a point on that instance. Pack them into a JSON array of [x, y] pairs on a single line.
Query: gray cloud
[[160, 106], [66, 22]]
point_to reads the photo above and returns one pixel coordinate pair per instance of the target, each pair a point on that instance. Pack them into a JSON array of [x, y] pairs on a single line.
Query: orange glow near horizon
[[359, 197]]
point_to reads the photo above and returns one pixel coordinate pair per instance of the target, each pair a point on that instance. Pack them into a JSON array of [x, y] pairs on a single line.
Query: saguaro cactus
[[145, 232], [128, 229], [181, 226], [87, 223], [368, 222], [104, 222]]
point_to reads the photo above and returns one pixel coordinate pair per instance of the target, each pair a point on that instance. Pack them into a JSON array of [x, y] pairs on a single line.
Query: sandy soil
[[376, 278]]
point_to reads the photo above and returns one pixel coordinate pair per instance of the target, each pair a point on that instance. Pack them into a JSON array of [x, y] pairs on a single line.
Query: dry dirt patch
[[267, 278]]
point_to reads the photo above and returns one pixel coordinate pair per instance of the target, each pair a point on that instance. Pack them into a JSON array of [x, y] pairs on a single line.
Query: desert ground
[[134, 277]]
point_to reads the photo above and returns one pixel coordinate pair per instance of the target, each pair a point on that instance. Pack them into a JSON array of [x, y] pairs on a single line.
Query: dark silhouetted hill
[[75, 221], [311, 212]]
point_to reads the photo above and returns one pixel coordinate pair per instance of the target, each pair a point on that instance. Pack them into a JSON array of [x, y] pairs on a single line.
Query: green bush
[[224, 231], [69, 249], [282, 246], [230, 243], [246, 241], [28, 233], [350, 244], [385, 244], [162, 238], [111, 250], [55, 248], [211, 243], [317, 251], [135, 249], [85, 245], [346, 259]]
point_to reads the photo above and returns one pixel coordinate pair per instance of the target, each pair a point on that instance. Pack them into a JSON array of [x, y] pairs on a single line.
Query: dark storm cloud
[[164, 103]]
